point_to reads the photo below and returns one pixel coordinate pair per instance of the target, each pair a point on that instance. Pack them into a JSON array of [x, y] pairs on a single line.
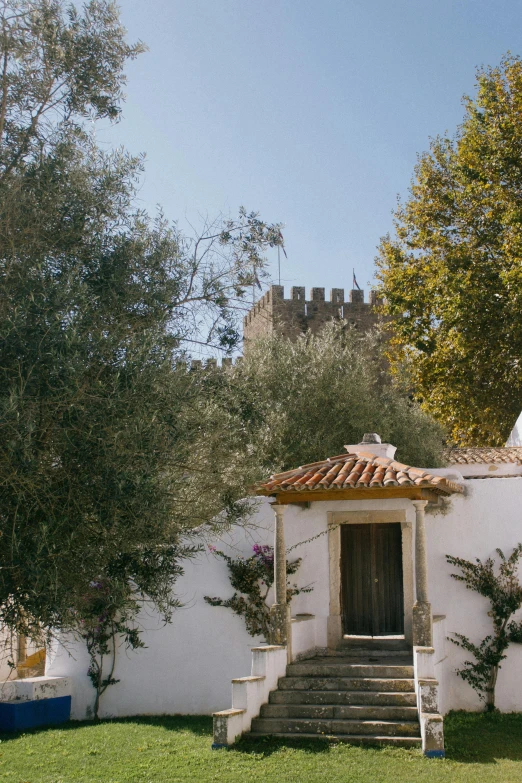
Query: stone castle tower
[[294, 316]]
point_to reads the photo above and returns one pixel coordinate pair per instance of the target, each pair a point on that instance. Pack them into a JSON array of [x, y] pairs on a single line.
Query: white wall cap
[[35, 688], [377, 449], [479, 469], [450, 473]]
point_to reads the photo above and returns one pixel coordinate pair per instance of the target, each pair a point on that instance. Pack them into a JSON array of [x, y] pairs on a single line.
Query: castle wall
[[297, 315]]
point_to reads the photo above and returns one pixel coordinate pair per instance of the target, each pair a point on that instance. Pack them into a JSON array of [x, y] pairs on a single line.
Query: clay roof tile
[[484, 455], [361, 470], [345, 470], [353, 476], [332, 473], [316, 478], [378, 477]]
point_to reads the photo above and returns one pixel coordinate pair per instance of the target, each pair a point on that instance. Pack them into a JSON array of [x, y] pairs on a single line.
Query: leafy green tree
[[102, 477], [452, 274], [504, 592], [290, 403], [57, 66]]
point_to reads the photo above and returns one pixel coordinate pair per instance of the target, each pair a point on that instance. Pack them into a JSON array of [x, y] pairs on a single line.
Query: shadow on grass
[[483, 738], [199, 725], [471, 738], [265, 746]]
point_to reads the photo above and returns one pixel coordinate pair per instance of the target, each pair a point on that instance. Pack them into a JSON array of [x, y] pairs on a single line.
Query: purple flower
[[264, 554]]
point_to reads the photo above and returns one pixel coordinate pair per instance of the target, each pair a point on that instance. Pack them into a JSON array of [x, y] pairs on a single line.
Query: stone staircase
[[363, 697]]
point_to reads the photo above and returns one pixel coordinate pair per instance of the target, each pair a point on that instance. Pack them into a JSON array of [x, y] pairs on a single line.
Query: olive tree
[[290, 403], [102, 476]]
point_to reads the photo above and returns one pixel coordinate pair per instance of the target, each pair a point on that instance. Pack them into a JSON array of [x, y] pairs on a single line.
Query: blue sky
[[311, 112]]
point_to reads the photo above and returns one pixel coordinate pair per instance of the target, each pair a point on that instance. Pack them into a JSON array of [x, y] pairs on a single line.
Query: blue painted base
[[21, 715], [435, 754], [218, 746]]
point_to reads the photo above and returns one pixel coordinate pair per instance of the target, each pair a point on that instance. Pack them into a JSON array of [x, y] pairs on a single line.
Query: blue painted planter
[[435, 754], [21, 715]]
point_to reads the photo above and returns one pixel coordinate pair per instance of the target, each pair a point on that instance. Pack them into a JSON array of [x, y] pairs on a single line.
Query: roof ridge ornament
[[371, 437], [372, 444]]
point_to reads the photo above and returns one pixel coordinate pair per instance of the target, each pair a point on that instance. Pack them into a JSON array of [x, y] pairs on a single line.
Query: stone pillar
[[280, 611], [422, 620]]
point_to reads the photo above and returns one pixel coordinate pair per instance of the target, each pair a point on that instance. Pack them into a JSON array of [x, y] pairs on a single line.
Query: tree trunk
[[98, 688], [490, 693]]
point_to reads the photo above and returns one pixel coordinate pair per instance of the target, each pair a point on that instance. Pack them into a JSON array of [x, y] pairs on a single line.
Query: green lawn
[[171, 749]]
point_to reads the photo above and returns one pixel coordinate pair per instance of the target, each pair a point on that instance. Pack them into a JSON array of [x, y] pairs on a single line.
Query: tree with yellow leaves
[[452, 274]]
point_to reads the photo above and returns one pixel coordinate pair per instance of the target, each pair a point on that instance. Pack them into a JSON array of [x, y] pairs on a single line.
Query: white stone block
[[35, 688], [229, 725], [270, 662], [248, 693], [424, 662]]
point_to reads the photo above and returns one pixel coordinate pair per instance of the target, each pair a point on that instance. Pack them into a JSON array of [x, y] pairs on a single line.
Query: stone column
[[280, 611], [422, 620]]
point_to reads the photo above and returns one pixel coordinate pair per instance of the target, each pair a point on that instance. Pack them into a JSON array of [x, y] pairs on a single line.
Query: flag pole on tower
[[281, 245]]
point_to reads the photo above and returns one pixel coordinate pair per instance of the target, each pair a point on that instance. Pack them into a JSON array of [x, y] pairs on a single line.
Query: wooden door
[[371, 579]]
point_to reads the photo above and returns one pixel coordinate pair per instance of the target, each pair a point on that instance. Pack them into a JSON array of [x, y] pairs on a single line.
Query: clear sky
[[311, 112]]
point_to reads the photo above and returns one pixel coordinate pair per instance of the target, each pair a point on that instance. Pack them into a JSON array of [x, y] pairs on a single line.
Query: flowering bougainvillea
[[252, 578]]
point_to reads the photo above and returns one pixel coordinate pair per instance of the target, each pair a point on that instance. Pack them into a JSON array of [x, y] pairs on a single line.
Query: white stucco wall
[[489, 516], [188, 665]]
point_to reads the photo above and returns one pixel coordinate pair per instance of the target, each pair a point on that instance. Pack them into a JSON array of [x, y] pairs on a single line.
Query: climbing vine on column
[[252, 577]]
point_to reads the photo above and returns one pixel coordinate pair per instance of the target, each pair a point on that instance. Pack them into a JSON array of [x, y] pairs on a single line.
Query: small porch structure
[[362, 473], [378, 570]]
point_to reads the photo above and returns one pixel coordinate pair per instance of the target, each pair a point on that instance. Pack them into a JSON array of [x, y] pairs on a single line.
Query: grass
[[173, 749]]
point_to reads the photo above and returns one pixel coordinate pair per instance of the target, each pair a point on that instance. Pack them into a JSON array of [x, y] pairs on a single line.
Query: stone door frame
[[335, 520]]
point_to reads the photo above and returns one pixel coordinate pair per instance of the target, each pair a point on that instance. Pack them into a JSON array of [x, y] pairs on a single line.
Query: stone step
[[339, 712], [373, 643], [363, 652], [346, 684], [313, 669], [353, 739], [388, 698], [320, 726]]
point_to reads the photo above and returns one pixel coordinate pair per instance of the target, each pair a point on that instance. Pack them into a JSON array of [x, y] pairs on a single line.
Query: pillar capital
[[279, 510], [420, 503]]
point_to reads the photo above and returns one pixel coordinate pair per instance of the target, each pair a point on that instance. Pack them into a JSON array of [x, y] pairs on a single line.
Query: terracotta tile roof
[[484, 456], [353, 471]]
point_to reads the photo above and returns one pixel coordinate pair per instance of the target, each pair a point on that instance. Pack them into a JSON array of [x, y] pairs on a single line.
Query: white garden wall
[[188, 665], [489, 516]]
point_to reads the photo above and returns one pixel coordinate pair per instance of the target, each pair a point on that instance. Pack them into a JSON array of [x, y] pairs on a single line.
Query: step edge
[[348, 721], [343, 737], [354, 706]]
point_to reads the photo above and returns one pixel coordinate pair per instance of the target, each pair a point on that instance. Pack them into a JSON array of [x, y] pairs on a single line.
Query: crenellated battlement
[[294, 316], [208, 364]]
